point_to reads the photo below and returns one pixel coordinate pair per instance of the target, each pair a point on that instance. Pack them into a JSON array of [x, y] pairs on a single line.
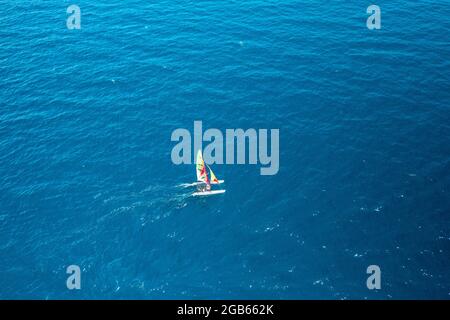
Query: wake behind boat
[[203, 180]]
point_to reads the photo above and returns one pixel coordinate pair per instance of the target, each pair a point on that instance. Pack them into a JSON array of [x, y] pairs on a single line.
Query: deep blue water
[[86, 176]]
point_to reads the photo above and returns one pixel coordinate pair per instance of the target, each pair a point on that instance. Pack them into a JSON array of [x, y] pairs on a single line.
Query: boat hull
[[208, 193]]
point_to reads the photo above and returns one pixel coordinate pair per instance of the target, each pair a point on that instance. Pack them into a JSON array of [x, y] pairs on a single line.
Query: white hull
[[198, 183], [207, 193]]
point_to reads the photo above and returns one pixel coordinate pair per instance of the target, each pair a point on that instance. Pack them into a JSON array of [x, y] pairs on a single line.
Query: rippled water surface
[[86, 176]]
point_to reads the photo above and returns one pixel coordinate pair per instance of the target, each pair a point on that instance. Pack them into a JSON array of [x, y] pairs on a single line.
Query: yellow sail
[[202, 175], [214, 179]]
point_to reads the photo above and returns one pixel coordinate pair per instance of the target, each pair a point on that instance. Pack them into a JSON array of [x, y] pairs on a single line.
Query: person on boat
[[204, 187]]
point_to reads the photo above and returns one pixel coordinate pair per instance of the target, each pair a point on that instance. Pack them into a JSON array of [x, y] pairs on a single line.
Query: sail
[[202, 175], [213, 176]]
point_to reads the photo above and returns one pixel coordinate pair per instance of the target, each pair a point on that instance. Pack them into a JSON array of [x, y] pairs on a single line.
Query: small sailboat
[[204, 179]]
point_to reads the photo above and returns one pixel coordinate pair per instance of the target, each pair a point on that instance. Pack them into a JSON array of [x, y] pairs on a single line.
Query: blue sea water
[[86, 176]]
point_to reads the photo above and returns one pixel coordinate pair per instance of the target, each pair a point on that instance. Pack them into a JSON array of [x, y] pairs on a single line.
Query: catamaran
[[203, 178]]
